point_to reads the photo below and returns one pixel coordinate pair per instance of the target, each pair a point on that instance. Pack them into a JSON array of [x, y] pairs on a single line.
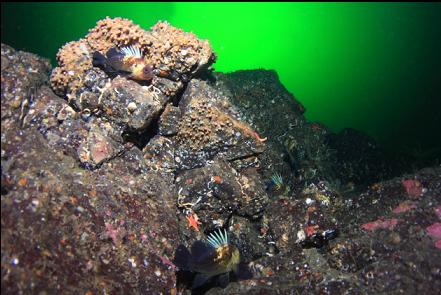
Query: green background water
[[375, 67]]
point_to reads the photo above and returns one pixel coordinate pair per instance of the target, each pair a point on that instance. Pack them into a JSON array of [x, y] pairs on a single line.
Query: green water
[[375, 67]]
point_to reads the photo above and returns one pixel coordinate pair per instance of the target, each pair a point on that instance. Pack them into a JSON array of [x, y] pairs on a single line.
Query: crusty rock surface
[[100, 176], [66, 229]]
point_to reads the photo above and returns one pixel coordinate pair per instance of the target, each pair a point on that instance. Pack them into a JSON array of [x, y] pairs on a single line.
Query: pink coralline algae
[[413, 187], [115, 233], [380, 223], [167, 262], [403, 207], [435, 232]]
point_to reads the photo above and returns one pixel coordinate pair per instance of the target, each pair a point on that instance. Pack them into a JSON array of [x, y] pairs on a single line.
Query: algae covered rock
[[210, 126], [175, 54]]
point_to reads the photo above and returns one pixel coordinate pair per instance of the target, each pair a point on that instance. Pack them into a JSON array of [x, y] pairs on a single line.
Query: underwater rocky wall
[[103, 177]]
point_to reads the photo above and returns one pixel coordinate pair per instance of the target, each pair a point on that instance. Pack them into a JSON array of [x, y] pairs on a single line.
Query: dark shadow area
[[141, 139]]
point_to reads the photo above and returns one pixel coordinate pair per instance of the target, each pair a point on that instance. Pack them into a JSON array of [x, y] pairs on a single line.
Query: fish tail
[[183, 258]]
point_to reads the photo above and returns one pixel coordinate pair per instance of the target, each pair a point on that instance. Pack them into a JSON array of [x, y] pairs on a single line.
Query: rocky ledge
[[100, 177]]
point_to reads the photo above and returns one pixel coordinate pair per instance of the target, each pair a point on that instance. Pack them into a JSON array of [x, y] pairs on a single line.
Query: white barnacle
[[132, 261], [15, 261], [309, 201], [70, 97], [84, 49], [301, 236], [218, 222], [132, 107]]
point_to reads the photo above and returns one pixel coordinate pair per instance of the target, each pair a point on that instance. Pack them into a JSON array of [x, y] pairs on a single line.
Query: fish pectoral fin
[[224, 280], [199, 280], [116, 63], [203, 253]]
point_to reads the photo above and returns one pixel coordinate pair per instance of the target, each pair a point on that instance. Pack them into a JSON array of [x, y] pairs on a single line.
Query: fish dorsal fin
[[218, 239], [132, 51]]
